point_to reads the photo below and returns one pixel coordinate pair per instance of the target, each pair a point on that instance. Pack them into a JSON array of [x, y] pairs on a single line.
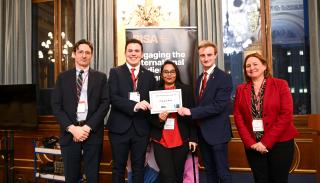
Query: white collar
[[210, 70], [137, 68]]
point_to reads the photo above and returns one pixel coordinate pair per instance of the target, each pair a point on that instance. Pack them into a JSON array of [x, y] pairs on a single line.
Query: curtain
[[314, 14], [15, 41], [209, 25], [94, 22]]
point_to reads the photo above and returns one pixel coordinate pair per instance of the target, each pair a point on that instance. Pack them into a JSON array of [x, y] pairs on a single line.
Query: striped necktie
[[79, 84]]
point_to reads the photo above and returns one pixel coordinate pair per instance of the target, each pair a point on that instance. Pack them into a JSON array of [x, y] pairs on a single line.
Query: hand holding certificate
[[165, 100]]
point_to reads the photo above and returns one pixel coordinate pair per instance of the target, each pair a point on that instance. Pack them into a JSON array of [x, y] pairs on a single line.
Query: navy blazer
[[186, 126], [122, 114], [64, 104], [214, 108]]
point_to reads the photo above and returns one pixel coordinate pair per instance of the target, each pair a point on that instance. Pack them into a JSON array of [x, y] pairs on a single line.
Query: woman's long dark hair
[[177, 81]]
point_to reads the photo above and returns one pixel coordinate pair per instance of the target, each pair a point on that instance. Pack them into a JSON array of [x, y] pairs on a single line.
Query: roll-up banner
[[161, 44]]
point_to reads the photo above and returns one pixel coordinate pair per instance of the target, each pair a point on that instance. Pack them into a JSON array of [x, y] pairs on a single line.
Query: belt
[[79, 123]]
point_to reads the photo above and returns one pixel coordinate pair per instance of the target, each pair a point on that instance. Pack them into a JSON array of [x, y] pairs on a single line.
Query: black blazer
[[214, 108], [64, 104], [122, 115], [186, 126]]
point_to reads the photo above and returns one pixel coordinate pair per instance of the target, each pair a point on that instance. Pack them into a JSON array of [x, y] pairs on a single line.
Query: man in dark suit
[[128, 122], [213, 94], [80, 102]]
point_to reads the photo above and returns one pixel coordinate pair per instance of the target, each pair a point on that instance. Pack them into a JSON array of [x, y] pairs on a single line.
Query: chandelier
[[146, 15], [45, 53], [45, 61], [46, 49]]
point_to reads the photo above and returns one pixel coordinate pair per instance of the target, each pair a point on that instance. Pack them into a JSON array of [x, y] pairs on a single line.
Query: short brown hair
[[206, 43], [137, 41], [267, 72], [82, 41]]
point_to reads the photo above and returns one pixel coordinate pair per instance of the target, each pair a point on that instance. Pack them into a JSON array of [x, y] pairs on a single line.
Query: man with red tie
[[128, 123], [212, 111]]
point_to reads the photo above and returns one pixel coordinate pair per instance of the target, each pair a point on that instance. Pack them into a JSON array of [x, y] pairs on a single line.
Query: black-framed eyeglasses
[[172, 72]]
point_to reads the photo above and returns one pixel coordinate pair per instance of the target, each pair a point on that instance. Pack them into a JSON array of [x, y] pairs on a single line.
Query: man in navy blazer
[[80, 111], [211, 113], [128, 123]]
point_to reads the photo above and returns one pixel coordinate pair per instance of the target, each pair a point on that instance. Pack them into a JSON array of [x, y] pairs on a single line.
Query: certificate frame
[[165, 100]]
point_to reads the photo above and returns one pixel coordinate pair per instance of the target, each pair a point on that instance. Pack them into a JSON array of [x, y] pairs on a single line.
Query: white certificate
[[165, 100]]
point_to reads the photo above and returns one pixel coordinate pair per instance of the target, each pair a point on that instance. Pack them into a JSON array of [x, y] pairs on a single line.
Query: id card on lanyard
[[169, 124], [134, 96], [257, 125], [82, 104]]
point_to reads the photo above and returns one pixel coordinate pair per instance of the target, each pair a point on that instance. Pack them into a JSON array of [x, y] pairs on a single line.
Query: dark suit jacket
[[213, 109], [277, 113], [64, 104], [122, 115], [186, 126]]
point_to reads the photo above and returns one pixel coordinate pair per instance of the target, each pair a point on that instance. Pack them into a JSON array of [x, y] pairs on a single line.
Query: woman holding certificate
[[173, 135], [263, 114]]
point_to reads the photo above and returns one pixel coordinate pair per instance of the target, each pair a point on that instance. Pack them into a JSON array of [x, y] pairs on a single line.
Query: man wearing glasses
[[80, 102]]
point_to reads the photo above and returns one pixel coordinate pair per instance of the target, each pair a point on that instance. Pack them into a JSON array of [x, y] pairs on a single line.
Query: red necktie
[[134, 79], [203, 84]]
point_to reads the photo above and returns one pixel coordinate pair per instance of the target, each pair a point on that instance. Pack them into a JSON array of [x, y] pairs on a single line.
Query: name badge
[[134, 96], [169, 124], [257, 125], [81, 106]]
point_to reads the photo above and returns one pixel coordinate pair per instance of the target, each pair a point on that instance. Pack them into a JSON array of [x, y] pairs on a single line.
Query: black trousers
[[72, 157], [170, 162], [274, 166], [121, 145]]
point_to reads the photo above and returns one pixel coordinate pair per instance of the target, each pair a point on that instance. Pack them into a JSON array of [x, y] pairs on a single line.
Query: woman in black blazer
[[171, 144]]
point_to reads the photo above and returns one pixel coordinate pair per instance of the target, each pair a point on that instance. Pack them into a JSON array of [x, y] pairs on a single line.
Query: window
[[241, 34], [290, 49], [43, 44], [52, 42], [286, 48]]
